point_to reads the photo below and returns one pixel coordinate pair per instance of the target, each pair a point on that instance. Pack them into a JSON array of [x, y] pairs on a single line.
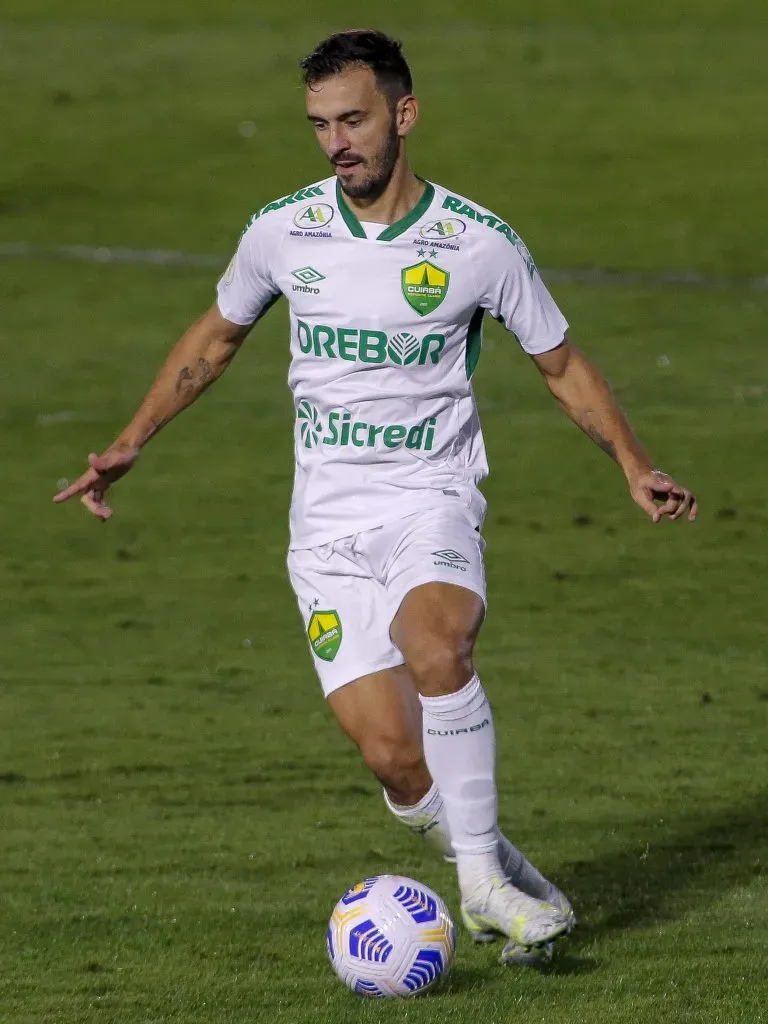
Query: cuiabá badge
[[424, 286], [324, 632]]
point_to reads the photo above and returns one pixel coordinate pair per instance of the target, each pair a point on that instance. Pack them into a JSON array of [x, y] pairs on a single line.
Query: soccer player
[[388, 277]]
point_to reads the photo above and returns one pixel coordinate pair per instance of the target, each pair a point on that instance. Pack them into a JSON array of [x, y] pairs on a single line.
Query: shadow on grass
[[464, 978], [566, 963], [692, 862]]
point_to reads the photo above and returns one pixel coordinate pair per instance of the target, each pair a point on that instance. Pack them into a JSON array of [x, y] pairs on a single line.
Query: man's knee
[[436, 628], [441, 664]]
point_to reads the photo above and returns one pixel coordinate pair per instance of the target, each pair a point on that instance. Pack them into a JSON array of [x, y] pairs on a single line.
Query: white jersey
[[385, 335]]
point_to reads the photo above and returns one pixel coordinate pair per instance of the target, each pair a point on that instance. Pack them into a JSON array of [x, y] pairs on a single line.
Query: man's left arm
[[583, 393]]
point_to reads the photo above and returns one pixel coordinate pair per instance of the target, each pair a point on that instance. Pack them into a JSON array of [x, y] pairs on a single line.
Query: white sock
[[460, 751], [427, 818]]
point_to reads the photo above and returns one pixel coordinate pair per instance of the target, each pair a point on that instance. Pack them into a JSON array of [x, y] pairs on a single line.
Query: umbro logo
[[450, 555], [308, 276], [450, 558]]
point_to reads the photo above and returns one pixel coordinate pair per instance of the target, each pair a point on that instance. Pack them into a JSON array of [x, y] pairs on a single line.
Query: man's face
[[357, 129]]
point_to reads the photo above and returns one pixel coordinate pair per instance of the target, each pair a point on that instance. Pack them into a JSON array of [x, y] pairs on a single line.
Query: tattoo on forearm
[[607, 446], [184, 380], [188, 380]]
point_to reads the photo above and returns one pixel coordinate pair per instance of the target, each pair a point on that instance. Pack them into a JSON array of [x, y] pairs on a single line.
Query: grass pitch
[[178, 813]]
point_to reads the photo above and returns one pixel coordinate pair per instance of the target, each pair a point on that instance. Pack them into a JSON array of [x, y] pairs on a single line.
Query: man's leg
[[435, 628], [382, 715], [379, 709]]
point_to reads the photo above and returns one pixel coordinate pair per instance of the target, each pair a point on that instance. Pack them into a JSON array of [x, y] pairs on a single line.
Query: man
[[388, 277]]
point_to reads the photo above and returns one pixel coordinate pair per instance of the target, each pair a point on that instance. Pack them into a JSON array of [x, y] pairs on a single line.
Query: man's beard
[[376, 182]]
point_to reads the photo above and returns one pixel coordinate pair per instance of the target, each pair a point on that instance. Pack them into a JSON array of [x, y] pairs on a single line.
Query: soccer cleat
[[527, 956], [539, 956], [524, 876], [497, 908]]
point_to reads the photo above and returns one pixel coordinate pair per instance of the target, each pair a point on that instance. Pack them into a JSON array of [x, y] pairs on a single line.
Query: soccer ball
[[390, 936]]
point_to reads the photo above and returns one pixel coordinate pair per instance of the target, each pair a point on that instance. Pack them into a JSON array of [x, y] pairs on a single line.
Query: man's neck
[[402, 193]]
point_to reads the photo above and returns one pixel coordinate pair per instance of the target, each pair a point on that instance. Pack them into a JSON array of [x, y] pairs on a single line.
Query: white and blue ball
[[390, 936]]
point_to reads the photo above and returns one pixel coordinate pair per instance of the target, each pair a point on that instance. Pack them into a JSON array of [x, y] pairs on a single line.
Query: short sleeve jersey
[[385, 333]]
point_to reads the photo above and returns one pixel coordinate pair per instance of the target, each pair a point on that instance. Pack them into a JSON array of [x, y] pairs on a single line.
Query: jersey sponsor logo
[[434, 244], [424, 286], [403, 348], [308, 276], [310, 426], [358, 344], [295, 197], [341, 431], [443, 229], [310, 234], [312, 218], [456, 205], [324, 632]]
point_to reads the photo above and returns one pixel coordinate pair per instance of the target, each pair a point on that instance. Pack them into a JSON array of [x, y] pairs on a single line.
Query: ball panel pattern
[[390, 936]]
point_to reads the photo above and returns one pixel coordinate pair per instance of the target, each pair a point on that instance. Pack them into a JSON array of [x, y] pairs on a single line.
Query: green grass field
[[178, 813]]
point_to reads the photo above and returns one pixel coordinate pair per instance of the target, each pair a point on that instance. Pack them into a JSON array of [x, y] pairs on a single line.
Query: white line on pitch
[[178, 258]]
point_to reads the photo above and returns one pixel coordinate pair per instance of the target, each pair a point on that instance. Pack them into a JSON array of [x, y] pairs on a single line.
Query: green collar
[[393, 230]]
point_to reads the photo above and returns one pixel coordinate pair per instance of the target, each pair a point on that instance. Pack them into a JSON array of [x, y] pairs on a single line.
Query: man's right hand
[[103, 471], [203, 353]]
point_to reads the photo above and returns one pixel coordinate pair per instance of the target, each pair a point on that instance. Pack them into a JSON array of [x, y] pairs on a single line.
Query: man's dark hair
[[367, 46]]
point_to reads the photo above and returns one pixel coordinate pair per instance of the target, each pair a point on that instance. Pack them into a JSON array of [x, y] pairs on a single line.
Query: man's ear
[[406, 115]]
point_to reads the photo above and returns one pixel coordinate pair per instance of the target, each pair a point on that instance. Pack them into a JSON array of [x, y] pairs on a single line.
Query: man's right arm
[[244, 294], [199, 358]]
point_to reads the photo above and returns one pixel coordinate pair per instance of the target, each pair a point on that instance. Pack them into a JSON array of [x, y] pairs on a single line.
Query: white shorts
[[350, 590]]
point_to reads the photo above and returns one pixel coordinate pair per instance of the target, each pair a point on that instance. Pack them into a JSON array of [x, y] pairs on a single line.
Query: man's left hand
[[658, 495]]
